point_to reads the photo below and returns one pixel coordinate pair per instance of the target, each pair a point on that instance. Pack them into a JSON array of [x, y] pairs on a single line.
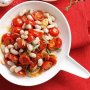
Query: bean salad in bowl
[[29, 44]]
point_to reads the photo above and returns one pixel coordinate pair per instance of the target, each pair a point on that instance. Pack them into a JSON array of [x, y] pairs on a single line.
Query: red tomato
[[4, 36], [30, 38], [51, 45], [54, 31], [24, 59], [21, 73], [13, 58], [58, 43], [46, 56], [15, 35], [32, 22], [38, 15], [24, 18], [39, 55], [53, 59], [8, 40], [21, 44], [46, 65], [43, 45], [16, 29], [17, 22]]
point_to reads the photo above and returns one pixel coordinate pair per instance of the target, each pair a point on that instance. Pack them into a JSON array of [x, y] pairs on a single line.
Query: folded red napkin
[[78, 17]]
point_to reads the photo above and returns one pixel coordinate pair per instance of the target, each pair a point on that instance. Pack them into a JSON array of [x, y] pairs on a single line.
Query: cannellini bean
[[28, 26], [12, 68], [21, 50], [21, 31], [46, 41], [29, 17], [23, 26], [10, 63], [50, 20], [50, 37], [26, 32], [40, 62], [46, 30], [10, 46], [30, 47], [24, 36], [17, 69], [3, 48], [15, 46], [31, 11], [46, 15], [38, 27], [22, 12], [33, 55], [6, 50], [47, 37], [38, 22], [53, 18], [13, 51], [36, 41], [50, 26]]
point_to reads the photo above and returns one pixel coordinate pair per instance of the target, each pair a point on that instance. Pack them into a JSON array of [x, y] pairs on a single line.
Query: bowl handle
[[71, 66]]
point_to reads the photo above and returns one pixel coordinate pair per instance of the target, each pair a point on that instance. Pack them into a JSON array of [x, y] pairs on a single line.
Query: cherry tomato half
[[17, 22], [13, 58], [38, 15], [30, 38], [24, 59], [54, 31], [32, 22], [15, 35], [24, 18], [16, 29], [21, 73], [46, 65], [21, 43], [51, 45], [4, 36], [58, 43]]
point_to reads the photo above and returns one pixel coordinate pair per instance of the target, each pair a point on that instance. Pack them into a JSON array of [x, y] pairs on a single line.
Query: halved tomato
[[31, 22], [21, 73], [16, 29], [24, 18], [30, 38], [15, 35]]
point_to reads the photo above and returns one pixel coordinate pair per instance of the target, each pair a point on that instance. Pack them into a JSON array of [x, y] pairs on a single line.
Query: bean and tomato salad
[[29, 44]]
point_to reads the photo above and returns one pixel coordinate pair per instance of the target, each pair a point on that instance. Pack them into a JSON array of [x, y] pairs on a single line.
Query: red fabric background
[[79, 19]]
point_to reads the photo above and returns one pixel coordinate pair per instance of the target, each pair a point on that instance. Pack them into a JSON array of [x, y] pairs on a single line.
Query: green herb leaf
[[48, 51]]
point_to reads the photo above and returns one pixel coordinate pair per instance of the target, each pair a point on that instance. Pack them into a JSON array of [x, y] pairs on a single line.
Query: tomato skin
[[54, 31], [13, 58], [58, 43], [16, 29], [46, 65], [53, 59], [38, 15], [32, 22], [21, 73], [15, 35], [17, 22], [43, 45], [24, 18], [30, 38], [7, 39], [19, 43], [51, 45], [24, 59]]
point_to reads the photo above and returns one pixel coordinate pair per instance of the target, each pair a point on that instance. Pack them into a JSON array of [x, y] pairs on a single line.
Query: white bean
[[24, 36], [10, 46], [21, 31], [53, 18], [21, 50], [28, 26], [39, 30], [29, 17], [38, 27], [12, 68], [18, 38], [30, 47], [50, 20], [6, 50], [47, 37], [22, 12], [46, 30], [33, 55], [3, 48], [38, 22], [15, 46], [50, 26], [46, 15], [26, 32], [36, 41], [31, 11], [50, 37], [17, 69], [13, 51], [10, 63], [40, 62]]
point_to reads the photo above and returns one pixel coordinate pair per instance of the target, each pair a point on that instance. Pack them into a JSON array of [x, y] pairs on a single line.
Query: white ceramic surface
[[65, 62]]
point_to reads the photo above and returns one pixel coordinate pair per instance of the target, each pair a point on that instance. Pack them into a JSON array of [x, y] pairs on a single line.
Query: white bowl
[[65, 62]]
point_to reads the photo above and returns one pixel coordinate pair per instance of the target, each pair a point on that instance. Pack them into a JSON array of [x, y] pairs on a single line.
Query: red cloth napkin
[[78, 17]]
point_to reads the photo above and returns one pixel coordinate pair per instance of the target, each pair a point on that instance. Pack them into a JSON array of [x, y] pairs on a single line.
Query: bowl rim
[[68, 31]]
